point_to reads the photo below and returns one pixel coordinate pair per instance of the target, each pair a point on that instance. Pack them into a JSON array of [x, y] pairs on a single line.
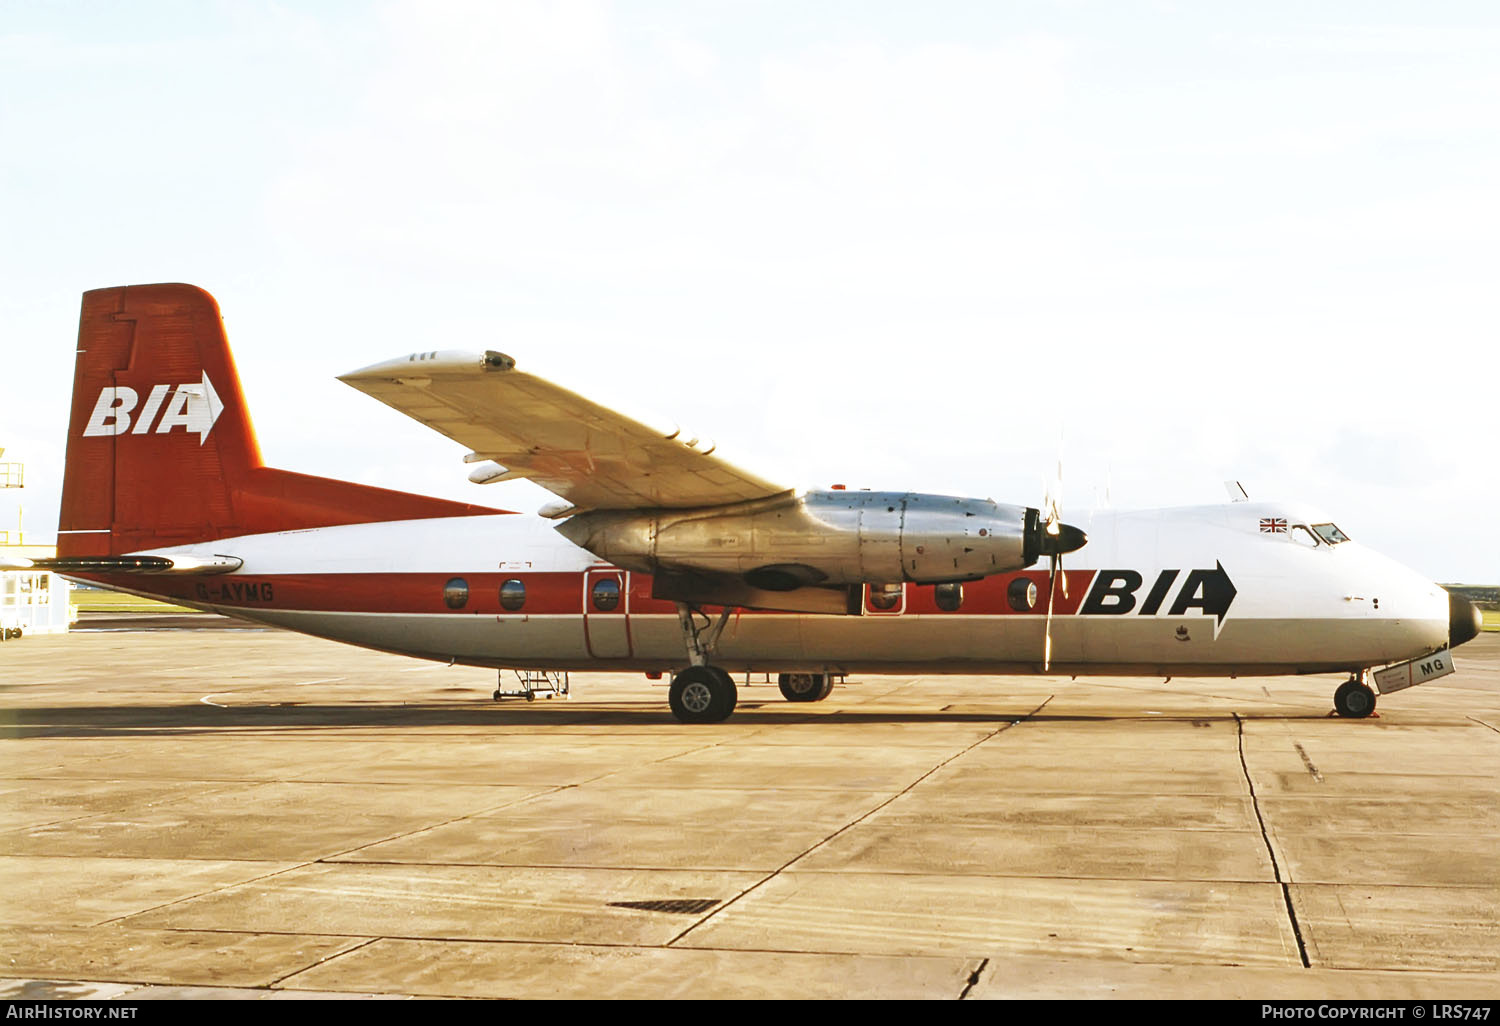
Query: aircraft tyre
[[1354, 699], [805, 687], [734, 692], [702, 694]]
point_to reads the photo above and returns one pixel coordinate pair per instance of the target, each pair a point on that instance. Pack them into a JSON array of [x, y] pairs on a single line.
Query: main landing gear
[[704, 693], [1354, 699], [805, 687]]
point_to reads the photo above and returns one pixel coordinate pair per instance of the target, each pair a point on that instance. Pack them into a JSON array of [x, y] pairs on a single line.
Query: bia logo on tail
[[193, 406]]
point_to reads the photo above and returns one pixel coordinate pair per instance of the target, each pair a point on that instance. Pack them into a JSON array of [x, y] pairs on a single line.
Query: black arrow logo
[[1209, 590]]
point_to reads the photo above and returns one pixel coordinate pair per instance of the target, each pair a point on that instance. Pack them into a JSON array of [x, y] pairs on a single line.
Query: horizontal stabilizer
[[141, 564]]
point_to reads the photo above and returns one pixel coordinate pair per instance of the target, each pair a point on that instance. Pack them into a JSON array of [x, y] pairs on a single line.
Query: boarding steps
[[534, 682]]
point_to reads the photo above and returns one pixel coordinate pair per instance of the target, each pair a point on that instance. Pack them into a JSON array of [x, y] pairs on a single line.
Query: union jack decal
[[1273, 525]]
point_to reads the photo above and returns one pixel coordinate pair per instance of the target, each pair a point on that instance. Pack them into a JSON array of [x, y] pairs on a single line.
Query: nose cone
[[1067, 539], [1464, 620]]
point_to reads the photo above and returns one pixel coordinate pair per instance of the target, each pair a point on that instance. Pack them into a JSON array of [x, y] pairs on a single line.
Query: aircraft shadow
[[196, 718]]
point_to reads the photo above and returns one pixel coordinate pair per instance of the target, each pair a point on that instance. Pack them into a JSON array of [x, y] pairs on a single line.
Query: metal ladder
[[533, 683]]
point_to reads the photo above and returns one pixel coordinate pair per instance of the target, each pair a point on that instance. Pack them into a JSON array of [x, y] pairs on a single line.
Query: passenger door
[[606, 613]]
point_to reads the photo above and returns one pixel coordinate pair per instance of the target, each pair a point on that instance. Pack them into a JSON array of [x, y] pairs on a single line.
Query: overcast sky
[[895, 245]]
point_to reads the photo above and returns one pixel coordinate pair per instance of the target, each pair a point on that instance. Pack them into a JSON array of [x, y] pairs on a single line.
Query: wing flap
[[591, 455]]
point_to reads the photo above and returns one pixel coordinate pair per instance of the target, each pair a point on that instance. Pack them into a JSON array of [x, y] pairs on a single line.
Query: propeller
[[1056, 538]]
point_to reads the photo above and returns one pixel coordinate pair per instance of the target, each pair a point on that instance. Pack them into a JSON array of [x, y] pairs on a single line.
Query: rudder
[[161, 450]]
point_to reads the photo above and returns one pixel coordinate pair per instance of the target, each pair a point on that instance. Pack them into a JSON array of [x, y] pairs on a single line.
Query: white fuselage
[[1201, 590]]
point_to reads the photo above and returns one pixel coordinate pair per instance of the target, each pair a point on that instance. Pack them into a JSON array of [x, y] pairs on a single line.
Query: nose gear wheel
[[1354, 699]]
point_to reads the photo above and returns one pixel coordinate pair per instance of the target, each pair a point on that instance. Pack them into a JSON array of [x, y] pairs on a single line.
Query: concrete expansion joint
[[278, 981], [974, 978], [1286, 892], [336, 858], [202, 894], [854, 822]]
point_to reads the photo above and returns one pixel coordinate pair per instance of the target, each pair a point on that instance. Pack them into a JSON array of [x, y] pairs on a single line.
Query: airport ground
[[191, 809]]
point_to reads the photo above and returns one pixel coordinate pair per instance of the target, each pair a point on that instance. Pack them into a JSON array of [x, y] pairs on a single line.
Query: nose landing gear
[[1354, 699]]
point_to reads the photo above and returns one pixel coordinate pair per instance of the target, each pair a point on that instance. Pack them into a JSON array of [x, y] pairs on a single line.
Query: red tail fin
[[160, 447]]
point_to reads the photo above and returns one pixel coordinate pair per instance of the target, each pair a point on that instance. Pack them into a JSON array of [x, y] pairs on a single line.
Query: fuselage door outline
[[606, 613]]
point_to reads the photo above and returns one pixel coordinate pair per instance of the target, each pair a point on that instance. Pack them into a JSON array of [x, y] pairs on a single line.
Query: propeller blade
[[1047, 633], [1059, 538]]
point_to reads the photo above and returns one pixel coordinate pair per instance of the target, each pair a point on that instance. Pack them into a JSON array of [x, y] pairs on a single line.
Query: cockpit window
[[1330, 533], [1302, 536]]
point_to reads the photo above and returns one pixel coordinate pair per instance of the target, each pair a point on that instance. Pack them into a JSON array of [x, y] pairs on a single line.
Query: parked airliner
[[662, 556]]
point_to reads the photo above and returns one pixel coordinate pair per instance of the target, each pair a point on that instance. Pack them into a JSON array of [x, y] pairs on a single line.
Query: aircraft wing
[[593, 456]]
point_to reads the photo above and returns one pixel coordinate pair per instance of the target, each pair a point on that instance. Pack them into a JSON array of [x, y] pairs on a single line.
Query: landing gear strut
[[702, 693], [1354, 699]]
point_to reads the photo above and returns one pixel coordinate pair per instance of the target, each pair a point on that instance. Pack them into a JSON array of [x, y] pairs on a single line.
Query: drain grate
[[680, 906]]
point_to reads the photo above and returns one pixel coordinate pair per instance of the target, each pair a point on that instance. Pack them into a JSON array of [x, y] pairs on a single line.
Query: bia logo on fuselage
[[1114, 592], [193, 406]]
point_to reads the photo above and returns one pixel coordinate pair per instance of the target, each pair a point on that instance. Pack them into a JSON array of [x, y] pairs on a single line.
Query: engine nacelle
[[820, 538]]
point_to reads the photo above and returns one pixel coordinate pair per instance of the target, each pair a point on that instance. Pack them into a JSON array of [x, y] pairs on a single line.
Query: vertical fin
[[161, 450]]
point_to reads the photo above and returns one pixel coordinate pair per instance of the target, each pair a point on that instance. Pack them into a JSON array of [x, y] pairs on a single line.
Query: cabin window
[[885, 596], [1330, 533], [512, 595], [456, 593], [606, 594], [949, 596], [1302, 536]]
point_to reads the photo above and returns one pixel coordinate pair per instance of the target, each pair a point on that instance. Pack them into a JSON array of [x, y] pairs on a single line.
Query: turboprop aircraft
[[662, 556]]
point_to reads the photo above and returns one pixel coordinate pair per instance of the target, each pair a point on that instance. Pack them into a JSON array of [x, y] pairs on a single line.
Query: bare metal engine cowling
[[823, 538]]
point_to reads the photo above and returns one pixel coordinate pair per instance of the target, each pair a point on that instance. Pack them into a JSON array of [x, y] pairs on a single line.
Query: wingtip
[[429, 363]]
